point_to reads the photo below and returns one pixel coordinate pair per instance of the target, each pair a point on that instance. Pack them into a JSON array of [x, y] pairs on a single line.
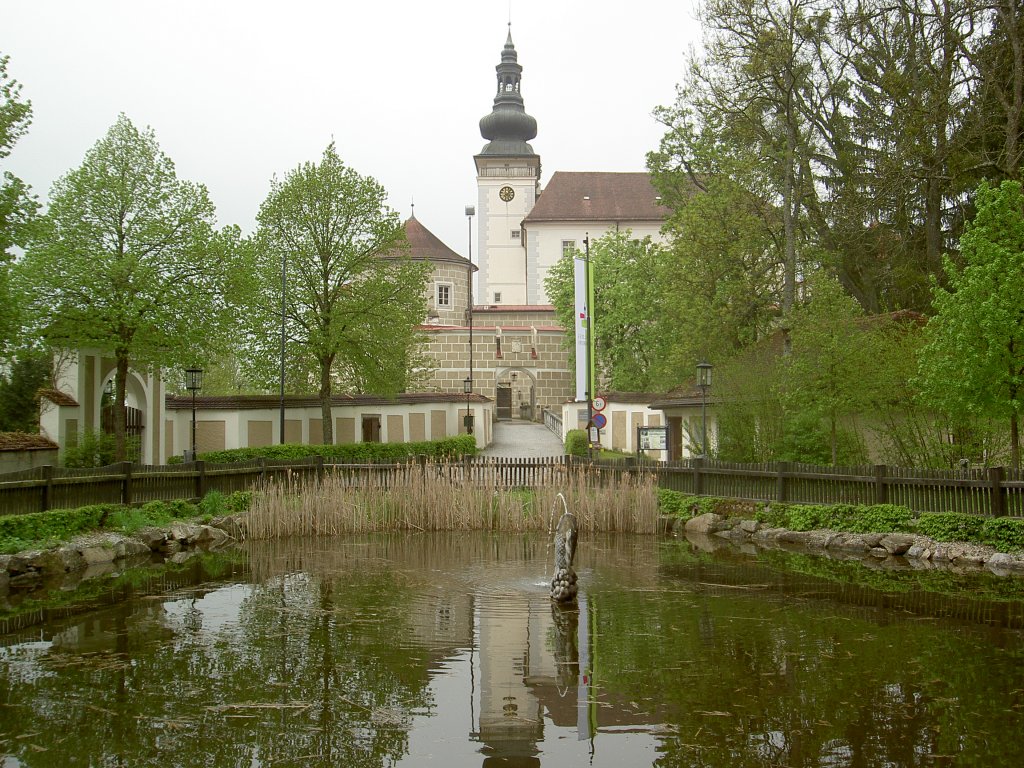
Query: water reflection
[[445, 650]]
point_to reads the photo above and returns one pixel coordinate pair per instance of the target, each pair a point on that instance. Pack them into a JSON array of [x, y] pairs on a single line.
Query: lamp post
[[704, 382], [284, 286], [468, 383], [467, 387], [193, 383]]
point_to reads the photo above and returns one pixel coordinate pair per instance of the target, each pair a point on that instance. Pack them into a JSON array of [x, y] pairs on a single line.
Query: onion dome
[[508, 128]]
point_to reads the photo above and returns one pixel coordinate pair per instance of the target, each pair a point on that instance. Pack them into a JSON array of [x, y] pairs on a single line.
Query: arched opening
[[135, 418], [516, 394]]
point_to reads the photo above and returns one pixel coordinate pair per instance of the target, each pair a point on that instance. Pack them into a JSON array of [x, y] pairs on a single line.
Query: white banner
[[580, 282]]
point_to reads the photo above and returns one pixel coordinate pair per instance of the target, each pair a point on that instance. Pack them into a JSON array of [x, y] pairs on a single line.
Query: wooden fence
[[993, 491]]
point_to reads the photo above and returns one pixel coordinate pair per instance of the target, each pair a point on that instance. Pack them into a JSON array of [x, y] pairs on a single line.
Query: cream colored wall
[[82, 375], [218, 429], [502, 259], [544, 245], [623, 419]]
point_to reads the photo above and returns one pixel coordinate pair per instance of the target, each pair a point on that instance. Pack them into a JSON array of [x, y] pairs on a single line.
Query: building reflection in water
[[533, 658]]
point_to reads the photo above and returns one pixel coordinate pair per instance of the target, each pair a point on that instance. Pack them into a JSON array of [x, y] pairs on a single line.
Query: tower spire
[[508, 127]]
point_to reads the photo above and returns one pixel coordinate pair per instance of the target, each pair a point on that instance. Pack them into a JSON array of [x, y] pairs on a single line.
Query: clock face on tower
[[506, 193]]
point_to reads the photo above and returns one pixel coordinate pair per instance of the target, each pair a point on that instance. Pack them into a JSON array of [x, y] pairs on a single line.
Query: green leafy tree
[[354, 300], [127, 259], [17, 206], [972, 363], [828, 378], [629, 328], [19, 392]]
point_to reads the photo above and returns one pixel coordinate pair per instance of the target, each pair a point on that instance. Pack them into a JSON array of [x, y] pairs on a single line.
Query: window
[[444, 294], [515, 234], [497, 297], [568, 247]]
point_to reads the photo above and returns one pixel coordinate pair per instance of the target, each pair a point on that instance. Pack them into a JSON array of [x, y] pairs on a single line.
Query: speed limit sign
[[599, 403]]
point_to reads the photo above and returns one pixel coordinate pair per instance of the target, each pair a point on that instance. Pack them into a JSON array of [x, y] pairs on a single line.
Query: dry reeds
[[443, 497]]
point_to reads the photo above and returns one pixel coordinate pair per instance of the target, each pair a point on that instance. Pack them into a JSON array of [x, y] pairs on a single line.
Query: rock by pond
[[902, 549]]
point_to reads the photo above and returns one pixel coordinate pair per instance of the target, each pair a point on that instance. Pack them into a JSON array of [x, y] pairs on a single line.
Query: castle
[[496, 352], [503, 338]]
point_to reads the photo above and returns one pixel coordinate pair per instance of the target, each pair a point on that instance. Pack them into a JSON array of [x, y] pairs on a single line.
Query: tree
[[973, 360], [629, 329], [996, 122], [828, 374], [354, 299], [127, 259], [17, 206], [19, 391]]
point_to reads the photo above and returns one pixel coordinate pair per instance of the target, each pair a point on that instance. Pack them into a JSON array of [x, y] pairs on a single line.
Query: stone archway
[[515, 393], [136, 413]]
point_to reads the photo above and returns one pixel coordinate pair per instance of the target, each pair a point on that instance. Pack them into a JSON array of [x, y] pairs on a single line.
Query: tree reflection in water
[[367, 652]]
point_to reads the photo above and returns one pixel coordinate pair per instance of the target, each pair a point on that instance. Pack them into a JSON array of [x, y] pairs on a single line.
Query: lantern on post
[[193, 383], [704, 382]]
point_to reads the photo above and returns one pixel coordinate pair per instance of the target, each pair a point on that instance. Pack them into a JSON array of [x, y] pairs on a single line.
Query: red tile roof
[[57, 397], [424, 245], [23, 441], [598, 196]]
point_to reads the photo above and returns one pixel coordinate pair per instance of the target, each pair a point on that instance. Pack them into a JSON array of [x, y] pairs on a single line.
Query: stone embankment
[[96, 554], [892, 548]]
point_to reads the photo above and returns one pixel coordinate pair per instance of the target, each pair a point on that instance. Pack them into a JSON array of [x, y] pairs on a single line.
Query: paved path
[[516, 439]]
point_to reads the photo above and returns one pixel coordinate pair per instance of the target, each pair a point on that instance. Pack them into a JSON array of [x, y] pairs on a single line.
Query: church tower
[[508, 179]]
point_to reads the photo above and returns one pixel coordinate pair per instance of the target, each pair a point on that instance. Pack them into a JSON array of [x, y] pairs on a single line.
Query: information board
[[653, 438]]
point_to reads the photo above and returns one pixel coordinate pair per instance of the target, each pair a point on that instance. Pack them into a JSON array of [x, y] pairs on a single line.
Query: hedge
[[354, 453], [577, 443]]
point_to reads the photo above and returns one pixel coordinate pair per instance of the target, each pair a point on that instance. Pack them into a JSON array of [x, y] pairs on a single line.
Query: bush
[[774, 514], [950, 526], [877, 518], [577, 443], [880, 518], [19, 531], [239, 501], [1004, 533], [356, 453], [673, 503]]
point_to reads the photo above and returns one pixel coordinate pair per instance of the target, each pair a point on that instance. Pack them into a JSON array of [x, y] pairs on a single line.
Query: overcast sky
[[240, 90]]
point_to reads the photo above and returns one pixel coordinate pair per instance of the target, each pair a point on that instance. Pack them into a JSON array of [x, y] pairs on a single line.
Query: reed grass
[[444, 497]]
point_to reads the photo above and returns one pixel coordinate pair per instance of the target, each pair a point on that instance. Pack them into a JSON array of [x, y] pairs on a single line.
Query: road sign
[[600, 420], [599, 404]]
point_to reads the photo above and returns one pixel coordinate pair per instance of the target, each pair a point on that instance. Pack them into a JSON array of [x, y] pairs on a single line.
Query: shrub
[[1004, 533], [446, 448], [673, 503], [17, 531], [213, 504], [877, 518], [880, 518], [950, 526], [774, 514], [239, 501], [577, 443]]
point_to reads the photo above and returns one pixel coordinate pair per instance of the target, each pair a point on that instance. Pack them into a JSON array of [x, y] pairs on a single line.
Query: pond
[[445, 650]]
